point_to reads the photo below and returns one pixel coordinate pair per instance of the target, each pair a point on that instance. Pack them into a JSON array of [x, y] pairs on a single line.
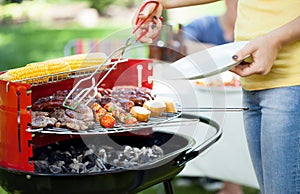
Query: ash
[[93, 159]]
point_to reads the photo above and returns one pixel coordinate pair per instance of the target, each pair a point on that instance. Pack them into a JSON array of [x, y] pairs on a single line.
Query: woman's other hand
[[263, 51]]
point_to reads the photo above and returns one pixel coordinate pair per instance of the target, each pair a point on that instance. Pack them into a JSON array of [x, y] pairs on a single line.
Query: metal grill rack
[[119, 127]]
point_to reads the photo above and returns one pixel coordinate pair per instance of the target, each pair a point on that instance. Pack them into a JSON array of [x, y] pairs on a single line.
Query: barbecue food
[[99, 111], [81, 118], [82, 112], [102, 116], [39, 71], [156, 107], [126, 104], [42, 120], [83, 60], [76, 124], [140, 113], [170, 105], [108, 121], [60, 66], [122, 104], [138, 95], [48, 103], [120, 113]]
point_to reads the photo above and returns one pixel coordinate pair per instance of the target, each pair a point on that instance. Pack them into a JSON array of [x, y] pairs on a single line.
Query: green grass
[[26, 43], [193, 188]]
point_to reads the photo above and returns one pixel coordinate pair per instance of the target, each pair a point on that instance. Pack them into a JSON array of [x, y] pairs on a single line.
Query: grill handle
[[191, 154]]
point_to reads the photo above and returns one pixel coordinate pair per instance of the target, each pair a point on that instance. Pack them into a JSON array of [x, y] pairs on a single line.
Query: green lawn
[[26, 43], [192, 188]]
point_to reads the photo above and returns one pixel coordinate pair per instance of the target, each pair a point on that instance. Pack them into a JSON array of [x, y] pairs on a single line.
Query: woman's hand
[[147, 22], [263, 51]]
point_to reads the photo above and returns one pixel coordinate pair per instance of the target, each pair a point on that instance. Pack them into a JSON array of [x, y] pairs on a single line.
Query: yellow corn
[[78, 64], [60, 67], [26, 72], [85, 60]]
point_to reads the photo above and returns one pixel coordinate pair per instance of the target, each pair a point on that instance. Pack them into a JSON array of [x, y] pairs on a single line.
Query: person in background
[[209, 31], [271, 86]]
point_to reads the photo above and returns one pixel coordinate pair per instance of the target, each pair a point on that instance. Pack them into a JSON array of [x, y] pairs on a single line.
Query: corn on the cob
[[60, 67], [26, 72], [85, 60]]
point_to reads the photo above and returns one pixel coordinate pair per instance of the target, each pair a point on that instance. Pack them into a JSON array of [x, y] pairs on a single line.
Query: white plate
[[227, 89], [206, 63]]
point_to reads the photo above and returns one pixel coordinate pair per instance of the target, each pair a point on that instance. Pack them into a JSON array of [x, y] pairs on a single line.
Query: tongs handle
[[140, 22]]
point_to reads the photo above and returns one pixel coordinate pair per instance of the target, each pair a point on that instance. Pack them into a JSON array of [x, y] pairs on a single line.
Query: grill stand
[[168, 187]]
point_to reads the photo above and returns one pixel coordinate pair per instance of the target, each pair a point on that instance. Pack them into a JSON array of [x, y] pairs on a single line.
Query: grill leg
[[168, 187]]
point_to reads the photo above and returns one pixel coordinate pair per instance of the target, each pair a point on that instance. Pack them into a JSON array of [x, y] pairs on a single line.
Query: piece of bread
[[140, 113], [170, 105], [156, 107]]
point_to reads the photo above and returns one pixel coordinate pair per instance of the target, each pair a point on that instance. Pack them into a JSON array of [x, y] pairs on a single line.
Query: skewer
[[211, 109]]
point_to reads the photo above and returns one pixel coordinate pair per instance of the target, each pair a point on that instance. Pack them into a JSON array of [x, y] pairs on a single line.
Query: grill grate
[[119, 127]]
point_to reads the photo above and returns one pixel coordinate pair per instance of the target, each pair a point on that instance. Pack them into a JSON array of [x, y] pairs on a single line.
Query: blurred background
[[36, 30]]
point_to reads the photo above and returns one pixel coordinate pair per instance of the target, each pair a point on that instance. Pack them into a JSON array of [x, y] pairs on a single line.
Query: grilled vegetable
[[24, 73], [99, 111], [84, 60], [108, 121], [36, 70], [120, 114], [61, 66]]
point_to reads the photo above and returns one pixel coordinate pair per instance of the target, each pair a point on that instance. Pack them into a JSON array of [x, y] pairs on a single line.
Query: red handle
[[140, 22]]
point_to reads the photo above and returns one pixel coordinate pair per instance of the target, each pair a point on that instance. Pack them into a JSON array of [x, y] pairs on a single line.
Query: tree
[[101, 5]]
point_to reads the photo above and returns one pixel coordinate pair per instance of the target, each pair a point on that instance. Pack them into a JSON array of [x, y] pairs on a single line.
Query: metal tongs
[[89, 93]]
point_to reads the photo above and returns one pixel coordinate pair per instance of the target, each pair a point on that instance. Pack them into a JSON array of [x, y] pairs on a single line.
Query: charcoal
[[60, 158], [144, 158], [100, 164], [65, 170], [157, 150], [41, 166], [102, 154], [55, 169]]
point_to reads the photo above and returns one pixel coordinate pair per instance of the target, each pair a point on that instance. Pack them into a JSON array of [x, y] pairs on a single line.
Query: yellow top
[[258, 17]]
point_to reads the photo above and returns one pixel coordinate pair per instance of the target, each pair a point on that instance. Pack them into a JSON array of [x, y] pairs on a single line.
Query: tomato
[[108, 121], [131, 120]]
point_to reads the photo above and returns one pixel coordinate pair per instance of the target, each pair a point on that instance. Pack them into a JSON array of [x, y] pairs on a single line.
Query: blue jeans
[[272, 126]]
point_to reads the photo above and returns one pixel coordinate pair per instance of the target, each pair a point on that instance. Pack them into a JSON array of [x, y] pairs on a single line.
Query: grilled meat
[[48, 111], [47, 103], [81, 118], [76, 124], [82, 112], [41, 121]]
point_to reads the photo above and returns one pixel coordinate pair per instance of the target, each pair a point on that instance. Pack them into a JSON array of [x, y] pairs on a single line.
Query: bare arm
[[288, 33], [264, 49], [168, 4]]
